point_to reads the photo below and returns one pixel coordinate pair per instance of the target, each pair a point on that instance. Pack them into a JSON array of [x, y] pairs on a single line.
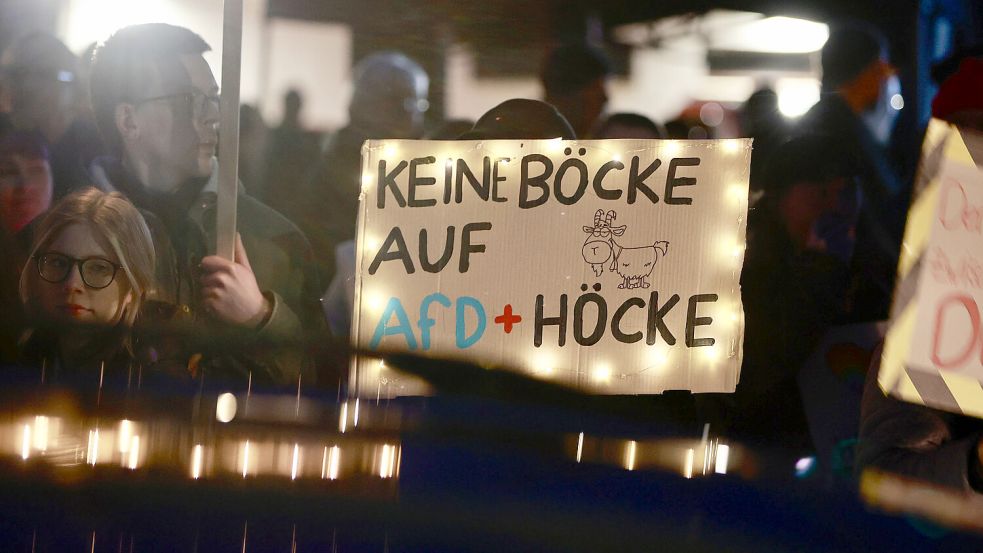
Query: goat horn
[[597, 217], [611, 216]]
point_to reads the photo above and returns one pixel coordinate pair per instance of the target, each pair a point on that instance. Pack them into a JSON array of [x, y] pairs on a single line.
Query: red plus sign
[[507, 319]]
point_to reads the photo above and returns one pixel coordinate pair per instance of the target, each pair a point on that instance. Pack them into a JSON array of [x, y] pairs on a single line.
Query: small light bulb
[[245, 459], [543, 364], [723, 454], [25, 448], [731, 146], [659, 356], [295, 462], [671, 148], [688, 463], [602, 374], [732, 250], [133, 461], [197, 458], [711, 353], [630, 452], [375, 301], [125, 432]]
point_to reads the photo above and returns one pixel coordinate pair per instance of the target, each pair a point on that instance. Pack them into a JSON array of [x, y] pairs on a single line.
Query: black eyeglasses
[[197, 101], [96, 272]]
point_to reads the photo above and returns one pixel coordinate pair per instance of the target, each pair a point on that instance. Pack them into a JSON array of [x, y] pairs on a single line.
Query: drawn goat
[[599, 247], [634, 265]]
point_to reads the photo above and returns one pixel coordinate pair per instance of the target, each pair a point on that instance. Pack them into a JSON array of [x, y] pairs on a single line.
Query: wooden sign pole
[[228, 151]]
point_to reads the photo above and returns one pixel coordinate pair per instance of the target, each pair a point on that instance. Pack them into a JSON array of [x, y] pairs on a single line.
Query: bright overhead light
[[796, 95], [601, 374], [87, 21], [780, 35]]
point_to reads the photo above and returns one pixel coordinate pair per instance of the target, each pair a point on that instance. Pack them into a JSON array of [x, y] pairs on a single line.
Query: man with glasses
[[156, 102]]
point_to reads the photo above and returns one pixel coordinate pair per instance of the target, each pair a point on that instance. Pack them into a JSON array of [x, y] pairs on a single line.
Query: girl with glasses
[[90, 266]]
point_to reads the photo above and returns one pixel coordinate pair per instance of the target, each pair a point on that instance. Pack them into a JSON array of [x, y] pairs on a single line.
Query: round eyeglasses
[[96, 272]]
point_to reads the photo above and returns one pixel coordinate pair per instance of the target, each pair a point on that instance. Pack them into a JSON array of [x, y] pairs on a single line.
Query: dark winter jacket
[[917, 441], [183, 229]]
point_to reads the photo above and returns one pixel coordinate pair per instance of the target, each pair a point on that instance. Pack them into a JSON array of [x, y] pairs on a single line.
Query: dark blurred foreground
[[466, 470]]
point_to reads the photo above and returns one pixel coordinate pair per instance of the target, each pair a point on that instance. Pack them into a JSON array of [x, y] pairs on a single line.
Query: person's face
[[71, 301], [178, 125], [874, 80], [40, 98], [25, 190], [418, 105], [407, 106], [594, 98], [805, 202], [822, 216]]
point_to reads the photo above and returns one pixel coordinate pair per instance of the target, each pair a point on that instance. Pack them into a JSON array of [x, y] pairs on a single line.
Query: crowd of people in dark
[[108, 206]]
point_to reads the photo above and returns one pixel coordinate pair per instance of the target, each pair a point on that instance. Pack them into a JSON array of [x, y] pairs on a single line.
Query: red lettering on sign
[[955, 210], [972, 310]]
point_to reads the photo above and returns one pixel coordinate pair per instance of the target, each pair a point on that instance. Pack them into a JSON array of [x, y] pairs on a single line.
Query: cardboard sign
[[933, 351], [612, 266]]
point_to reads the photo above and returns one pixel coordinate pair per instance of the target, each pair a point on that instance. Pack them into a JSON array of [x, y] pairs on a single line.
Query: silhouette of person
[[46, 94], [856, 73], [630, 125], [761, 120], [291, 153], [574, 80], [389, 101]]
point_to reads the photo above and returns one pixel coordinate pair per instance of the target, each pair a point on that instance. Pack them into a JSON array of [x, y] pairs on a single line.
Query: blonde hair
[[119, 227]]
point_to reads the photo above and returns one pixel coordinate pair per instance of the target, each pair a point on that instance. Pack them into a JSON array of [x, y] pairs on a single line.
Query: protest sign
[[612, 266], [932, 351]]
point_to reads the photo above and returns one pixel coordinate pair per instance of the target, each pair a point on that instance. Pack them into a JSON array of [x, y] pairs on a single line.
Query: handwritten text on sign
[[608, 265], [952, 294]]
